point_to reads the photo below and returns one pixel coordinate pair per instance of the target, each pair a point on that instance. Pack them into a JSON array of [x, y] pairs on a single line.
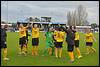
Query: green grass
[[29, 60]]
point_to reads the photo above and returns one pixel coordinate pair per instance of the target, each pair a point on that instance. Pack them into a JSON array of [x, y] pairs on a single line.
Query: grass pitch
[[29, 60]]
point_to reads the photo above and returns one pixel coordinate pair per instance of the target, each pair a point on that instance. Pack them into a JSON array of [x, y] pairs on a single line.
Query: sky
[[14, 10]]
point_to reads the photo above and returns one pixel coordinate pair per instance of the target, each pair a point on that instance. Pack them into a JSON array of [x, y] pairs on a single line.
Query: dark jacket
[[70, 37], [3, 34]]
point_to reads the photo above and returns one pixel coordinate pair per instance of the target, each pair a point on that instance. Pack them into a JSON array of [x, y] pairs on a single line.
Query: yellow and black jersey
[[22, 32], [59, 36], [54, 34], [76, 36], [89, 37], [35, 32]]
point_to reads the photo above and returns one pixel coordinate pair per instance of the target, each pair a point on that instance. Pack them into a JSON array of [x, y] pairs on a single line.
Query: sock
[[26, 47], [45, 51], [60, 53], [36, 51], [56, 52], [5, 52], [78, 52], [50, 51], [88, 49], [23, 49], [71, 55], [19, 48], [93, 49], [33, 51]]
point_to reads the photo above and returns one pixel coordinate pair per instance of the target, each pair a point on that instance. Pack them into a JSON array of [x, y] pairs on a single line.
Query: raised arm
[[27, 25], [94, 39]]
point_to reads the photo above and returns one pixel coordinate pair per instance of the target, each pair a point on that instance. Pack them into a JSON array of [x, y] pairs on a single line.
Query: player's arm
[[27, 25], [41, 28], [31, 25], [44, 35], [94, 38]]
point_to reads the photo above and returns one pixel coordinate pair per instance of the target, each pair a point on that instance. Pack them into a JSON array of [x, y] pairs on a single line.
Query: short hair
[[74, 27], [66, 27], [5, 26], [70, 27]]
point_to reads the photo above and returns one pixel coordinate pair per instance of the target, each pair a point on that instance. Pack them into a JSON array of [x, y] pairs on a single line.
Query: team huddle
[[54, 38]]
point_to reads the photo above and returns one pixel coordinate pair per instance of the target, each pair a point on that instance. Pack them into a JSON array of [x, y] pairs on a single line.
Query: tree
[[82, 15], [77, 17], [46, 19], [36, 19], [30, 19], [94, 25]]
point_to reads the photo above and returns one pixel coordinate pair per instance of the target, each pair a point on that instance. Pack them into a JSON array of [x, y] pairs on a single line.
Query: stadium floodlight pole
[[7, 11], [59, 25]]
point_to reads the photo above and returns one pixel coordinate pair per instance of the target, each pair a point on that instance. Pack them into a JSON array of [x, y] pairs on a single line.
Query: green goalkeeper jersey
[[49, 38]]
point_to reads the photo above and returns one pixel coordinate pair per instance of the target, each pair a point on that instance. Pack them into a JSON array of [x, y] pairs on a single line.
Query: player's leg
[[70, 52], [4, 46], [56, 49], [23, 49], [60, 48], [60, 53], [56, 52], [36, 50], [93, 49], [24, 45], [79, 53], [87, 47], [33, 50], [5, 53], [53, 50], [37, 45], [71, 55], [46, 48], [50, 48], [20, 46], [77, 48], [33, 47], [50, 51]]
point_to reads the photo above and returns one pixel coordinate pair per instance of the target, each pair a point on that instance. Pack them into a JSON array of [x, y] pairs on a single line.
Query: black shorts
[[70, 48], [35, 41], [76, 43], [27, 37], [22, 40], [89, 43], [3, 44], [58, 44]]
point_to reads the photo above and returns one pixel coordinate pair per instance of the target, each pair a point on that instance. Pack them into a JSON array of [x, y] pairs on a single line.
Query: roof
[[7, 24], [49, 22], [22, 21]]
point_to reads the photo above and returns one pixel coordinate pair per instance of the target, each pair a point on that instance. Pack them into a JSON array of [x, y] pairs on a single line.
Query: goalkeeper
[[49, 42]]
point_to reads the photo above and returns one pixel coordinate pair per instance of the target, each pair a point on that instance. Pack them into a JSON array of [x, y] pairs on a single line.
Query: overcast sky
[[56, 9]]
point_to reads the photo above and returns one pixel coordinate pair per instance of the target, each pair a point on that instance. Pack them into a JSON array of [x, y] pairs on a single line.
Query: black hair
[[70, 27], [34, 24], [74, 27], [5, 26], [66, 27], [60, 28]]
